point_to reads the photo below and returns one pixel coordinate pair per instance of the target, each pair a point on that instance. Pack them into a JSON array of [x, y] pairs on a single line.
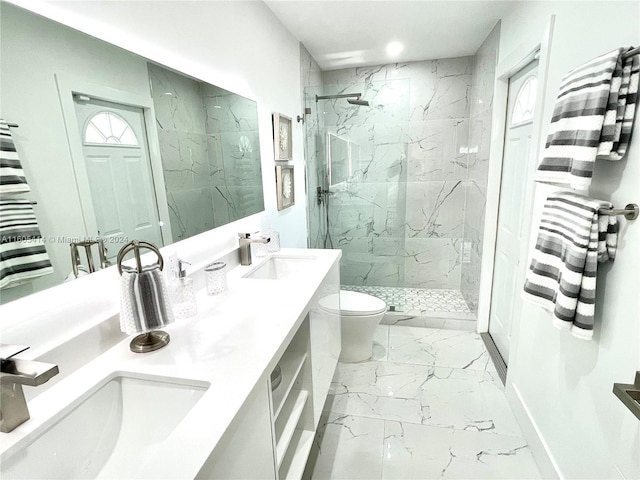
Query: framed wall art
[[282, 137], [285, 189]]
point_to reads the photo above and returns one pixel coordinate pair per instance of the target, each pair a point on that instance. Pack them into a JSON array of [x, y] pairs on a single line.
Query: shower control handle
[[321, 193]]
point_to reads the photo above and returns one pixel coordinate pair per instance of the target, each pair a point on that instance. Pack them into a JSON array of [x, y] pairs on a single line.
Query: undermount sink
[[281, 267], [109, 432]]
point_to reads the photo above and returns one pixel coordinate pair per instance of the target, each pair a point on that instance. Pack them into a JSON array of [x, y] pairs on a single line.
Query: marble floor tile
[[374, 406], [497, 405], [447, 321], [411, 320], [421, 452], [347, 447], [443, 348], [442, 409], [380, 343], [453, 398], [466, 325], [382, 379]]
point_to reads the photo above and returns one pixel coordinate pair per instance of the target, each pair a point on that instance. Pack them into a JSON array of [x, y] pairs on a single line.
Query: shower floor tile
[[418, 301], [440, 405]]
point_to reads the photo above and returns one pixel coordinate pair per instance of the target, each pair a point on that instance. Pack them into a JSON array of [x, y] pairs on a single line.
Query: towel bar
[[629, 394], [628, 54], [630, 212]]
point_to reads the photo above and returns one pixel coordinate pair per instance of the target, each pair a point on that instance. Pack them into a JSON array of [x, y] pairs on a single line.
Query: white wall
[[560, 386], [240, 46]]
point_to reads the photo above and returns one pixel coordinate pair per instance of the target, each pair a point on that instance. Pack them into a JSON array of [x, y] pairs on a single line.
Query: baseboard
[[546, 464]]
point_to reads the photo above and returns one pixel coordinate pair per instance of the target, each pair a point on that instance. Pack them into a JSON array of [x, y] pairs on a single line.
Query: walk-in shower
[[396, 176]]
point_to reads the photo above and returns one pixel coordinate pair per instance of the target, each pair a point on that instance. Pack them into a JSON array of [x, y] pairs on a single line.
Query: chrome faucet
[[13, 374], [245, 246]]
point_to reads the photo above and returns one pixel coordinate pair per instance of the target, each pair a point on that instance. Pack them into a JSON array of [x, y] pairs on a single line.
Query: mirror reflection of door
[[119, 172], [516, 165]]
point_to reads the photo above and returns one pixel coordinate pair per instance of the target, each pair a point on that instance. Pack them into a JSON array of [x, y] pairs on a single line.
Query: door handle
[[629, 394]]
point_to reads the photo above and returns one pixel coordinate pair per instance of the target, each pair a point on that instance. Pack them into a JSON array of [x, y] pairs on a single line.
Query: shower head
[[362, 103]]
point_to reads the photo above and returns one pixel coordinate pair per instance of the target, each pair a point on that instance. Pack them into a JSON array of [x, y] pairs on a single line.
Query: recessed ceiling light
[[394, 48]]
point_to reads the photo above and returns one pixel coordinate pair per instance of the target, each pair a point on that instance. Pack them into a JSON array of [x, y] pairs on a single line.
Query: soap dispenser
[[274, 244], [184, 296]]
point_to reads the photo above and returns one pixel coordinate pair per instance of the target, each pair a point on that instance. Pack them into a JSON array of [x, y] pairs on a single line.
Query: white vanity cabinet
[[245, 450], [272, 434], [238, 427], [326, 341], [292, 407]]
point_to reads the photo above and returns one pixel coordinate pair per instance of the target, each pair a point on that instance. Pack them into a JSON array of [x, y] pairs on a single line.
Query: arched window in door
[[524, 105], [108, 128]]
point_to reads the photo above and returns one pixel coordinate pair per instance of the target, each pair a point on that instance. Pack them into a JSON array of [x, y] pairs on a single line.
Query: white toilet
[[360, 314]]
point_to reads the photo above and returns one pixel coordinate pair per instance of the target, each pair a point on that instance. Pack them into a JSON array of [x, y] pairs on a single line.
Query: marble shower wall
[[475, 187], [399, 219], [209, 149]]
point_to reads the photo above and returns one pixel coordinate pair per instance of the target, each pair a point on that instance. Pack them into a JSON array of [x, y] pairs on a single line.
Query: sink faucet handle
[[8, 351], [246, 235]]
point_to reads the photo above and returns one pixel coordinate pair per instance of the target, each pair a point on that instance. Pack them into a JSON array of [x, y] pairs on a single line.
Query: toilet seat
[[353, 304]]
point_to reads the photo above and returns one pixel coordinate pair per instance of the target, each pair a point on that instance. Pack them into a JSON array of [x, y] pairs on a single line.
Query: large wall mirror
[[115, 147]]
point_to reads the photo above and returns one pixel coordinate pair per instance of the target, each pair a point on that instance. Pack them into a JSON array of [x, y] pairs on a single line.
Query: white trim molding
[[515, 61]]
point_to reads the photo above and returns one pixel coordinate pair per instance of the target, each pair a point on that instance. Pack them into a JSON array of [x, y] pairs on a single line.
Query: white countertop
[[234, 341]]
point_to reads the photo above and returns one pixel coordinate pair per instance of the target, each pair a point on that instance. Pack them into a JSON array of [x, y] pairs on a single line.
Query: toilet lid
[[353, 303]]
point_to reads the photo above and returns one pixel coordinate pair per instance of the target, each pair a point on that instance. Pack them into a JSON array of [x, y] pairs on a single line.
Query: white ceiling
[[342, 34]]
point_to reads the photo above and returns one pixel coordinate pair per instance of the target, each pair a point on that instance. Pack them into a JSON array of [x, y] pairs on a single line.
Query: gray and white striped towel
[[12, 179], [144, 301], [23, 256], [573, 238], [593, 118]]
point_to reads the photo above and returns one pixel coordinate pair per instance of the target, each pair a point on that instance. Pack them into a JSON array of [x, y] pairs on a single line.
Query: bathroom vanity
[[203, 406]]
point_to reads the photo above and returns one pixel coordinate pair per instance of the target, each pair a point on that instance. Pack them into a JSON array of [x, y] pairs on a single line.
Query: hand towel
[[23, 256], [572, 239], [144, 302], [593, 118], [12, 179]]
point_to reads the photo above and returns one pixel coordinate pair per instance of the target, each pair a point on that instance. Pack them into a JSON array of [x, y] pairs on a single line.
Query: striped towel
[[144, 301], [12, 179], [22, 253], [572, 240], [593, 118]]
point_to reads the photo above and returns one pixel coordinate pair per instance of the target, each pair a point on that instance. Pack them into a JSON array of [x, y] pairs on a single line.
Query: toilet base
[[357, 337]]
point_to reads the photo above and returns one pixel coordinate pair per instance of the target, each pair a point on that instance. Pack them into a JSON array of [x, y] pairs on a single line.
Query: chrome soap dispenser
[[184, 295]]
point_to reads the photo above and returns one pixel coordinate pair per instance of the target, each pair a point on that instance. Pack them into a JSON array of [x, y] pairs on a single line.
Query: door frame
[[514, 62], [68, 86], [500, 336], [520, 56]]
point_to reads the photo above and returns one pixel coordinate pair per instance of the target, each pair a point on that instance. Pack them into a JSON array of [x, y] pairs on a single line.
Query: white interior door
[[516, 163], [119, 172]]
